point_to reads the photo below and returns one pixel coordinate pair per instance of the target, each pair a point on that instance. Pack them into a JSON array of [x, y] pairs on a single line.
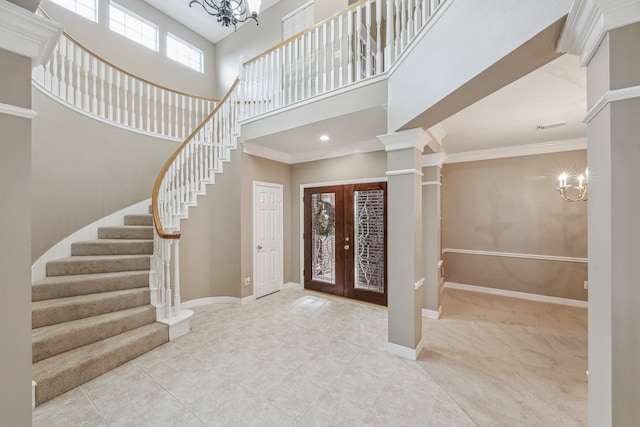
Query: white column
[[404, 247], [606, 35]]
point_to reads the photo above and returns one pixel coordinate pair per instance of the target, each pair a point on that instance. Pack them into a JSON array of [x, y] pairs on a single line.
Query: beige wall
[[510, 205], [15, 256], [250, 41], [263, 170], [84, 169], [210, 256], [354, 167], [135, 58]]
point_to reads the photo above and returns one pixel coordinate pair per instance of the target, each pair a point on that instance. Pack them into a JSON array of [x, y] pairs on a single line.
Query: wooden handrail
[[110, 64], [156, 186], [302, 33]]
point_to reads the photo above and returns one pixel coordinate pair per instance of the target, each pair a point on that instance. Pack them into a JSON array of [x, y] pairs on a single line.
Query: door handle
[[346, 247], [259, 247]]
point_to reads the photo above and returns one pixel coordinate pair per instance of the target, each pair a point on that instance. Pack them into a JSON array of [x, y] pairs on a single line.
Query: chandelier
[[580, 190], [228, 12]]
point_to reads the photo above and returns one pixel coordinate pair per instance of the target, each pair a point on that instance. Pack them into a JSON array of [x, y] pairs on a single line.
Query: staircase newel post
[[176, 277], [167, 279]]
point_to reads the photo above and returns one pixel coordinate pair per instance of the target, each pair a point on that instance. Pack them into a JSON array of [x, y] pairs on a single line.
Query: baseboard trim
[[62, 249], [292, 285], [405, 352], [516, 294], [430, 314], [211, 300]]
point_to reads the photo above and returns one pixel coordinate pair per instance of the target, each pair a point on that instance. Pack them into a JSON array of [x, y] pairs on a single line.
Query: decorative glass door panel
[[345, 241], [323, 237], [369, 245]]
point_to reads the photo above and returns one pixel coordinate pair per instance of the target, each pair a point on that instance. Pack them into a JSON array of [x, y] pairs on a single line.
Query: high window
[[132, 26], [297, 21], [84, 8], [184, 53]]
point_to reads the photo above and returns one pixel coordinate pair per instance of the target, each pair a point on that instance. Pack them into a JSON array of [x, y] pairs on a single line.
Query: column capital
[[590, 20], [434, 159], [26, 33], [411, 138]]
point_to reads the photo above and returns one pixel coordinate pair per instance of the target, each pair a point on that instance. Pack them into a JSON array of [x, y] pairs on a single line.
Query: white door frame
[[280, 187], [323, 184]]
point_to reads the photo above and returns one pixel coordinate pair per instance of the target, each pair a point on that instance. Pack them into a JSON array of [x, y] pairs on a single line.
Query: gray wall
[[84, 169], [210, 246], [135, 58], [15, 256], [250, 41], [510, 205], [357, 166]]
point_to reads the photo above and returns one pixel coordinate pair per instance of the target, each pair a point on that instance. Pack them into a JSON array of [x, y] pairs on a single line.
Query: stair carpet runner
[[92, 313]]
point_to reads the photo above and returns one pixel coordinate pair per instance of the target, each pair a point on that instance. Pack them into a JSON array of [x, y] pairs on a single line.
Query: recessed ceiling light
[[324, 137]]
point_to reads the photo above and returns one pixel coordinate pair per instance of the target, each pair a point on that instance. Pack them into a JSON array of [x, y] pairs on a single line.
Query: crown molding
[[518, 150], [590, 20], [411, 138], [267, 153], [311, 156]]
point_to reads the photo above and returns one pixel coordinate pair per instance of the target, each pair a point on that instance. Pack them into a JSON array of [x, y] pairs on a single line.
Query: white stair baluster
[[367, 40], [341, 50], [378, 36], [94, 85], [350, 46]]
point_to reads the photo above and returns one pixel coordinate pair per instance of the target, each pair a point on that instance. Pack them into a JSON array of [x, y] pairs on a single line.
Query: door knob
[[346, 247], [259, 247]]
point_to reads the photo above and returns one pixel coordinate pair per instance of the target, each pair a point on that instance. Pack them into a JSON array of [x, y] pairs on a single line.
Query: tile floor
[[293, 358]]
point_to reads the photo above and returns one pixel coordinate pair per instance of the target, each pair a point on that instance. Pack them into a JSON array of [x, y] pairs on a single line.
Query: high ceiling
[[554, 94], [197, 20]]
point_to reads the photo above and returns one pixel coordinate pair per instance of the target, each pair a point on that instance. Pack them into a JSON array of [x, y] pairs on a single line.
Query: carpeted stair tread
[[97, 264], [126, 232], [51, 312], [139, 219], [65, 371], [84, 284], [51, 340], [112, 247]]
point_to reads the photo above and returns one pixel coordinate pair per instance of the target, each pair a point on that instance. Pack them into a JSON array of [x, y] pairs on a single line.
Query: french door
[[345, 250]]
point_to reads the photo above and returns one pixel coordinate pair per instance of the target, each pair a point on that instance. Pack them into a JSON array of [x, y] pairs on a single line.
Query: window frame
[[187, 45], [76, 3], [132, 15]]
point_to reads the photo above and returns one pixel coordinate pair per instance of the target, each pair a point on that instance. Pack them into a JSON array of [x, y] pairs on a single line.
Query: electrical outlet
[[586, 284], [247, 281]]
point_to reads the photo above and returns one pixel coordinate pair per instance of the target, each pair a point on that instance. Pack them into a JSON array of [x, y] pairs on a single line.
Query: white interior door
[[267, 238]]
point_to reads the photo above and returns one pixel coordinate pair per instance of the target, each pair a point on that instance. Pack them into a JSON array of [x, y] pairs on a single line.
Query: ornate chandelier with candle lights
[[566, 190], [228, 12]]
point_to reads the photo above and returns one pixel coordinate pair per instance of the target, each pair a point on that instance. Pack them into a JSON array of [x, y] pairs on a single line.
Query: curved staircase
[[92, 312]]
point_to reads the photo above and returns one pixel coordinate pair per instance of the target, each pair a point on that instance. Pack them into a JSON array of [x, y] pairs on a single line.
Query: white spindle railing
[[344, 49], [78, 77], [182, 178]]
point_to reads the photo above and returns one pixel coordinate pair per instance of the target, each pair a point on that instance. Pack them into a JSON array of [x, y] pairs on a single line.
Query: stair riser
[[138, 220], [73, 310], [90, 285], [52, 384], [142, 247], [47, 343], [72, 266], [127, 232]]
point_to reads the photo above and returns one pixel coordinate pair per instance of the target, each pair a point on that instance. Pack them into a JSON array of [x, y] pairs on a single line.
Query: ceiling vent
[[551, 126]]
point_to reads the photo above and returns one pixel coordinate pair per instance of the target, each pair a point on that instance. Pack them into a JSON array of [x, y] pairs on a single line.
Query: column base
[[405, 352]]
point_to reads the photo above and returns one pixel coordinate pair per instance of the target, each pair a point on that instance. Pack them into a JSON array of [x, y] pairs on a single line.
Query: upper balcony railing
[[356, 44], [94, 86]]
